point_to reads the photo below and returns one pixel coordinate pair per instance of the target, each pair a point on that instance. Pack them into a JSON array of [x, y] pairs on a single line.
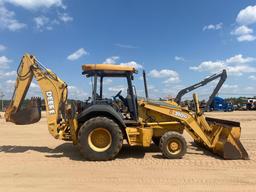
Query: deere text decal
[[50, 102]]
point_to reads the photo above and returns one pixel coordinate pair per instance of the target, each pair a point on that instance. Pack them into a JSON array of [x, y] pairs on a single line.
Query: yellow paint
[[107, 67], [156, 118], [100, 139]]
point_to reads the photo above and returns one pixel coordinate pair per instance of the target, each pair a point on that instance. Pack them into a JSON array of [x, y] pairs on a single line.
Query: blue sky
[[177, 42]]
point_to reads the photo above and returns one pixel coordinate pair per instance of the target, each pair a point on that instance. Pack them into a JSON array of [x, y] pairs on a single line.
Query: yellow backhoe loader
[[100, 125]]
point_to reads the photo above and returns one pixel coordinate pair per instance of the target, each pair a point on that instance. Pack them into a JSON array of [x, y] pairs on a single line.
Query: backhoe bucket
[[225, 137], [28, 115]]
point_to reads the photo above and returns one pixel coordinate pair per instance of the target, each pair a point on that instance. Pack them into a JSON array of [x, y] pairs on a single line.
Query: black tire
[[178, 140], [84, 143], [156, 140]]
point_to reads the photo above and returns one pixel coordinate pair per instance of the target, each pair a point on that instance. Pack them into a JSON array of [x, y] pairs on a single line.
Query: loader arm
[[53, 89], [217, 135]]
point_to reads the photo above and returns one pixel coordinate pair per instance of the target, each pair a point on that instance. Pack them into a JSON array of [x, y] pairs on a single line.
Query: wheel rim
[[174, 146], [99, 139]]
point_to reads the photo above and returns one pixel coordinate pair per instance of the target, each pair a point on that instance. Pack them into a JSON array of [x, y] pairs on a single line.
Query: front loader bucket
[[28, 115], [226, 139]]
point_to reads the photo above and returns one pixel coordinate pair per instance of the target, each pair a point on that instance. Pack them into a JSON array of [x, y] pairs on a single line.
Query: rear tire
[[100, 139], [173, 145]]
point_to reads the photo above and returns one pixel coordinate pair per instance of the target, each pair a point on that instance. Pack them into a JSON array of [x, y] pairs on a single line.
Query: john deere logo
[[50, 102]]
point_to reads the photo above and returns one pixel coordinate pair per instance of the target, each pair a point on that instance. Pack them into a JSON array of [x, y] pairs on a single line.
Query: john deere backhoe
[[100, 126]]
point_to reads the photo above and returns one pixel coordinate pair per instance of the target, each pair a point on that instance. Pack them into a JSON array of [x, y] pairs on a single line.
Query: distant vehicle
[[219, 104], [251, 104]]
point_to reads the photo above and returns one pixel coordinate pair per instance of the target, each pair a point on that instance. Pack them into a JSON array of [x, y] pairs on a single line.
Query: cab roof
[[107, 69]]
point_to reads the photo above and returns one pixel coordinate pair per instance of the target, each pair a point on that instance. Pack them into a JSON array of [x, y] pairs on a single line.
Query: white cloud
[[111, 60], [4, 62], [250, 88], [247, 16], [33, 91], [243, 33], [108, 81], [114, 59], [170, 75], [2, 47], [11, 82], [41, 22], [36, 4], [77, 54], [33, 85], [240, 70], [227, 89], [252, 77], [65, 17], [162, 73], [242, 30], [117, 88], [228, 86], [172, 80], [239, 59], [10, 73], [247, 37], [8, 21], [125, 46], [244, 18], [213, 27], [236, 65], [7, 74], [177, 58], [76, 93], [209, 66], [133, 64]]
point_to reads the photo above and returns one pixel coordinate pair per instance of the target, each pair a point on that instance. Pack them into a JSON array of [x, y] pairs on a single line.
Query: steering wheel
[[120, 97], [117, 95]]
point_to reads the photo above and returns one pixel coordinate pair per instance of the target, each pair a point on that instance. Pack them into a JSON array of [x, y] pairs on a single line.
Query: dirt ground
[[30, 160]]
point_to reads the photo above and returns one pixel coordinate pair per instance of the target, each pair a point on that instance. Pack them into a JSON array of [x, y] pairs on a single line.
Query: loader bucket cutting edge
[[29, 115], [228, 144]]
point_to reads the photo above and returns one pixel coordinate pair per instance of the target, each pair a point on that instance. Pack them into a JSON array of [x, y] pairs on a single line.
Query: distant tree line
[[239, 101]]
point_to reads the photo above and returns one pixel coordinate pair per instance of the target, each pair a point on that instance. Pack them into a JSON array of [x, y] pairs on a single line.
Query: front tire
[[100, 139], [173, 145]]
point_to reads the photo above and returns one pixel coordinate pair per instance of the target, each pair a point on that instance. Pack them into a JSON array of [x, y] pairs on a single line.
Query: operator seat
[[132, 109]]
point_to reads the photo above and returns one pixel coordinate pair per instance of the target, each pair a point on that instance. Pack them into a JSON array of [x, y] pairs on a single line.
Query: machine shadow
[[202, 151], [70, 151], [136, 151], [63, 150]]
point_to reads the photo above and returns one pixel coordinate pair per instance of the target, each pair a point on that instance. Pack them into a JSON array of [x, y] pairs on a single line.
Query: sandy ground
[[30, 160]]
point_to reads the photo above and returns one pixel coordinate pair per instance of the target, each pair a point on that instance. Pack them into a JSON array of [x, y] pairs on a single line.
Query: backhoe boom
[[54, 91]]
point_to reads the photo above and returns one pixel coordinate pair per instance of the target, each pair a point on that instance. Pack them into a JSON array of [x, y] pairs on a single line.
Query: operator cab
[[124, 105]]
